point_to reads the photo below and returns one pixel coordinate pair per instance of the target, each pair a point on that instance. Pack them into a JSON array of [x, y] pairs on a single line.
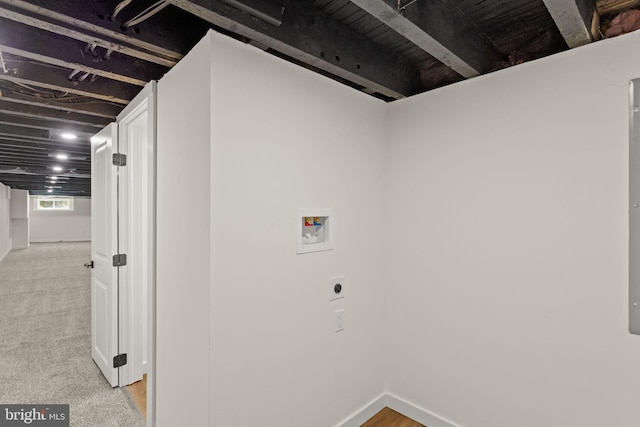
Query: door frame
[[137, 195]]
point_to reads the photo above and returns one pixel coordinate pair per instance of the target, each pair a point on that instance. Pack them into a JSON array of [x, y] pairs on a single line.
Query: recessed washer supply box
[[315, 230]]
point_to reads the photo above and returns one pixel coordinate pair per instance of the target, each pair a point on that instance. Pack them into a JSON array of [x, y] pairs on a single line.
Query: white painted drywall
[[285, 138], [245, 140], [61, 226], [19, 207], [182, 242], [5, 221], [507, 245]]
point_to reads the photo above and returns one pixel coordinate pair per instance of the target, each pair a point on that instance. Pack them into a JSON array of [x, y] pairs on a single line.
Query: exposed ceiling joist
[[32, 158], [268, 10], [76, 186], [41, 153], [58, 79], [74, 69], [35, 121], [609, 7], [108, 45], [309, 35], [72, 65], [8, 159], [440, 30], [89, 107], [29, 42], [46, 147], [10, 129], [574, 20], [91, 29], [36, 112]]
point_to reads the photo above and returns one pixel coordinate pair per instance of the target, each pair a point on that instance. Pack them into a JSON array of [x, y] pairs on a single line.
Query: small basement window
[[54, 203]]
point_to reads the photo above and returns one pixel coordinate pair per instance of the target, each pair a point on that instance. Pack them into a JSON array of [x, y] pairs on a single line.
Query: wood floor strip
[[387, 417], [139, 393]]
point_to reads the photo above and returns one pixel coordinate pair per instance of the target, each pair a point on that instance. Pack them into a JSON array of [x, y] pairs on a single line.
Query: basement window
[[54, 203]]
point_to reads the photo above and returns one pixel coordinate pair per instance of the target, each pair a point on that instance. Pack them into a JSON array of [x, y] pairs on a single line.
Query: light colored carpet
[[45, 336]]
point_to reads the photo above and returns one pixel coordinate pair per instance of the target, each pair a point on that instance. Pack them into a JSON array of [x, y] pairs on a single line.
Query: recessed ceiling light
[[57, 168], [50, 191], [68, 135], [62, 156], [54, 178]]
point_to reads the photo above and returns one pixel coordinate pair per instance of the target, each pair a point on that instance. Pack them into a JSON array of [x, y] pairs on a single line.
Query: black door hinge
[[119, 260], [120, 360], [89, 264], [119, 159]]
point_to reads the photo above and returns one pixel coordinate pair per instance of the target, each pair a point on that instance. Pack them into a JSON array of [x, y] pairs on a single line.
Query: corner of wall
[[5, 221], [182, 241], [6, 252], [399, 405], [516, 254], [365, 413]]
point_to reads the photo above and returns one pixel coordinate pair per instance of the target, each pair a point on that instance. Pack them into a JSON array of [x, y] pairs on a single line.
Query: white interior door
[[104, 244]]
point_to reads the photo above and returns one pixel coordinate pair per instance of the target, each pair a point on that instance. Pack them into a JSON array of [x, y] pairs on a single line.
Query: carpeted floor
[[45, 341]]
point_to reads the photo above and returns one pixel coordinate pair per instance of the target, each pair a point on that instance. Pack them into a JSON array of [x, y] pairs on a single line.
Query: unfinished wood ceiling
[[72, 65]]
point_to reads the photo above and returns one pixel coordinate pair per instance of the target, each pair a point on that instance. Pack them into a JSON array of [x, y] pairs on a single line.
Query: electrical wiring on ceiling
[[119, 8], [146, 14]]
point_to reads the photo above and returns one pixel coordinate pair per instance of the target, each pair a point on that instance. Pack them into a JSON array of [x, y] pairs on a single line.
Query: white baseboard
[[5, 254], [417, 413], [364, 413], [399, 405]]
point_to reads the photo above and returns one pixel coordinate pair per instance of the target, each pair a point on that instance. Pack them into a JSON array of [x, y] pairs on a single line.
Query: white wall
[[182, 242], [19, 208], [507, 245], [61, 226], [5, 221], [280, 138]]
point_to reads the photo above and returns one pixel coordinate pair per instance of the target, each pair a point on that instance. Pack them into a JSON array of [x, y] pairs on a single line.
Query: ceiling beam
[[574, 20], [8, 129], [10, 143], [311, 36], [45, 155], [83, 23], [19, 171], [84, 37], [440, 30], [30, 160], [27, 162], [609, 7], [267, 10], [57, 79], [62, 120], [40, 45], [43, 124], [9, 154], [36, 184], [87, 106], [32, 181]]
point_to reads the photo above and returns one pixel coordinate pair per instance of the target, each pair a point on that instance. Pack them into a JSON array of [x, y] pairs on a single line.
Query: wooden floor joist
[[608, 7]]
